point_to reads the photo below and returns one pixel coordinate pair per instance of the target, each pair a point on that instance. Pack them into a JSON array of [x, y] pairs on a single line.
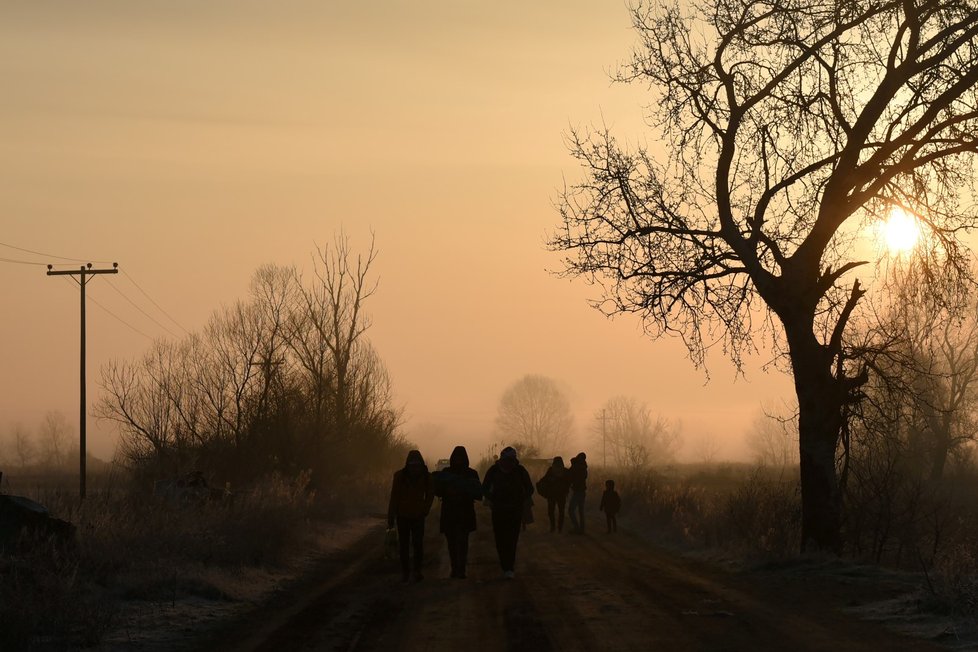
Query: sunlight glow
[[901, 231]]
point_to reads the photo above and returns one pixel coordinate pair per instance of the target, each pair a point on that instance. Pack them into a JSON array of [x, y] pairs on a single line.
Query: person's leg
[[463, 552], [417, 534], [403, 545], [560, 513], [510, 527], [573, 511], [609, 517], [551, 507], [499, 535], [614, 522], [451, 538], [580, 509]]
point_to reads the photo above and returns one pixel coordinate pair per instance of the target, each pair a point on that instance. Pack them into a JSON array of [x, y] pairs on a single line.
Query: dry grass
[[132, 546]]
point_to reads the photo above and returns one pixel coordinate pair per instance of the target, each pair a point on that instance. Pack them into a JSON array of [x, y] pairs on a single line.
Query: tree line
[[284, 381]]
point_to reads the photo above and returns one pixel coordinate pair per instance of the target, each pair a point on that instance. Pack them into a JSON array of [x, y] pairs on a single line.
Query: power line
[[133, 303], [18, 262], [41, 253], [115, 316], [158, 307]]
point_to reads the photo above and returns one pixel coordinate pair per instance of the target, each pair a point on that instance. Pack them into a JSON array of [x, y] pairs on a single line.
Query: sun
[[900, 232]]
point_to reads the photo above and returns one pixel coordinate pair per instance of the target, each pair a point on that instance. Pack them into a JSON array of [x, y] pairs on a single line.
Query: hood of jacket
[[459, 458]]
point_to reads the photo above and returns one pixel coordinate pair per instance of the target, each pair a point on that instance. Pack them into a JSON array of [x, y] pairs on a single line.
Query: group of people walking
[[506, 489]]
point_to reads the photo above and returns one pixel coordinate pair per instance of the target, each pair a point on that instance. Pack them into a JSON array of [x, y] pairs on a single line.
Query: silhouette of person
[[554, 486], [507, 487], [578, 488], [458, 486], [411, 498], [610, 505]]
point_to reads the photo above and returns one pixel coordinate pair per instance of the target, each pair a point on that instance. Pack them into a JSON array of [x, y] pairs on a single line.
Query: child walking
[[610, 505]]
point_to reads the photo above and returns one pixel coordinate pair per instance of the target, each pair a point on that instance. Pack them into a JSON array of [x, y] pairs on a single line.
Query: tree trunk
[[819, 426]]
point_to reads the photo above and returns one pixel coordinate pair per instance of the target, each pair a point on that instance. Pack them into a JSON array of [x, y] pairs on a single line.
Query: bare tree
[[932, 366], [535, 413], [773, 440], [53, 436], [787, 126], [21, 445], [633, 437], [706, 448]]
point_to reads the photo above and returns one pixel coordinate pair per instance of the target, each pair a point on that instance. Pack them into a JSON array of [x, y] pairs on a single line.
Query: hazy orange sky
[[195, 141]]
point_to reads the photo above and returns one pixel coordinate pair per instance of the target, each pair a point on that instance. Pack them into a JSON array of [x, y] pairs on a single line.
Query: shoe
[[509, 575], [418, 576]]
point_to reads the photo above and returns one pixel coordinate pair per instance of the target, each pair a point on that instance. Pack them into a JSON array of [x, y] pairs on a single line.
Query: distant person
[[578, 488], [554, 486], [458, 486], [507, 487], [610, 505], [411, 498]]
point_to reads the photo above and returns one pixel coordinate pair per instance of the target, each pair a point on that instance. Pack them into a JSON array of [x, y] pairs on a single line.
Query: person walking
[[610, 505], [458, 486], [578, 488], [554, 486], [507, 487], [411, 498]]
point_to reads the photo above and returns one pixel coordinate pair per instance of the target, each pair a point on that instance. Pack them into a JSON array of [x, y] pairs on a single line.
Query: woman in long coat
[[459, 487]]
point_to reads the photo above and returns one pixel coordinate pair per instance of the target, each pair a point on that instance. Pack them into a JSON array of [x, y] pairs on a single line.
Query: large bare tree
[[534, 413], [787, 125]]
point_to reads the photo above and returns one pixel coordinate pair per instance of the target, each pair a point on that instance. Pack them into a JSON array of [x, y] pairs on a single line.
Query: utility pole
[[604, 442], [82, 273]]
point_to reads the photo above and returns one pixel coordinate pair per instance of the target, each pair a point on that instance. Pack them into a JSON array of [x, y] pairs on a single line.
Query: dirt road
[[591, 592]]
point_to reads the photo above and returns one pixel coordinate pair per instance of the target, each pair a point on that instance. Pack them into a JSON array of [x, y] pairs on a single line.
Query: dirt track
[[592, 592]]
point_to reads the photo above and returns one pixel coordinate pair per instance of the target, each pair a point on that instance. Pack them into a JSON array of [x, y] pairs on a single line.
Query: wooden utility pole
[[604, 441], [82, 273]]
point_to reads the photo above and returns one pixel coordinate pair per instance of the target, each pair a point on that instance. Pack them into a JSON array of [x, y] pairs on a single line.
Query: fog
[[193, 144]]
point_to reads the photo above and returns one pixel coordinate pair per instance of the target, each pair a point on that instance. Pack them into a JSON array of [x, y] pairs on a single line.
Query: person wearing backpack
[[458, 486], [507, 487], [411, 497], [554, 486], [578, 488]]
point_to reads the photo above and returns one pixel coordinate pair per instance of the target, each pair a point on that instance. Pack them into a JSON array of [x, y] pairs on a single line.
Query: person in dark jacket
[[554, 486], [578, 488], [507, 487], [610, 505], [458, 486], [411, 498]]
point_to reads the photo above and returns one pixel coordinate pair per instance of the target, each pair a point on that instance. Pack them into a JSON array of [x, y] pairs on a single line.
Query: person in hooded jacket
[[578, 488], [507, 487], [411, 497], [554, 486], [458, 486]]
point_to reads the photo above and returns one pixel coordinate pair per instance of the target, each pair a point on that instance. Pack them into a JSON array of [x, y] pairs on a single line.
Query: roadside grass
[[132, 546], [751, 517]]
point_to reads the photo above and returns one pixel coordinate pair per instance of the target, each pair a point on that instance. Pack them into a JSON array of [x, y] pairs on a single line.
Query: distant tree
[[535, 413], [787, 126], [773, 440], [632, 436], [706, 447], [53, 436], [930, 367], [23, 446]]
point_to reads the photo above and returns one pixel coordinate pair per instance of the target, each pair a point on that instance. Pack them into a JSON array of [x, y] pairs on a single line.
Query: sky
[[193, 142]]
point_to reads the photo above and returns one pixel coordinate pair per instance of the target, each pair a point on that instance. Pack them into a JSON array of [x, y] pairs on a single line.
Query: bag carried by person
[[544, 486], [390, 544]]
